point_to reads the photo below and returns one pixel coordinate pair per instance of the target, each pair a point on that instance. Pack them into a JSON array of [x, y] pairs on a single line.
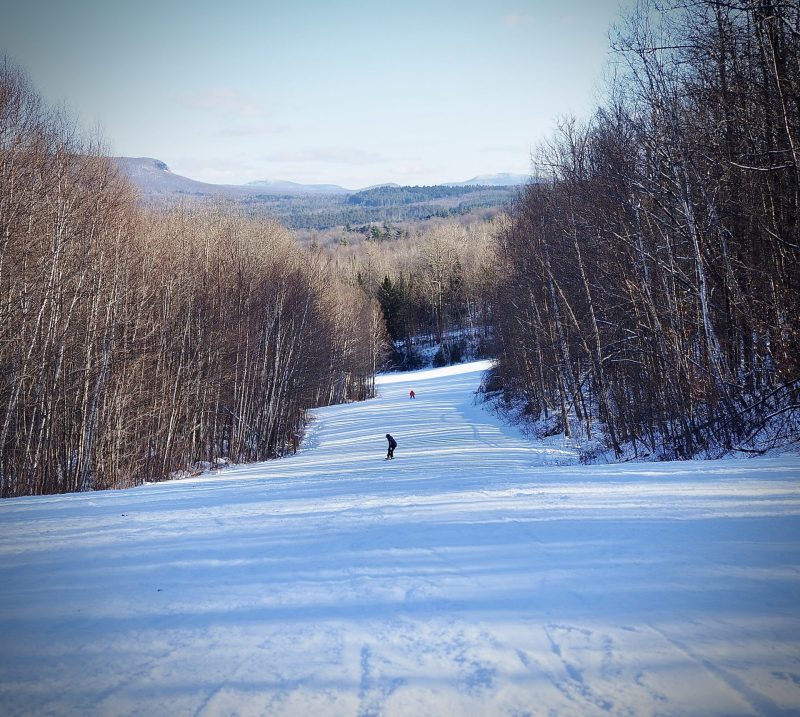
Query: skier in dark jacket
[[392, 446]]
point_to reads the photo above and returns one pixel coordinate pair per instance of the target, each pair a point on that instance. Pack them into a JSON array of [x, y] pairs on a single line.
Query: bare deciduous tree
[[653, 281]]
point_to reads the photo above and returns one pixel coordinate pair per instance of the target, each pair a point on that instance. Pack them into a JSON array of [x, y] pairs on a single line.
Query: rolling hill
[[323, 206]]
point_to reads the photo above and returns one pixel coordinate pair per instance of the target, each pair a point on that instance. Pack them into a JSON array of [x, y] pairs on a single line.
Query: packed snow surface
[[478, 573]]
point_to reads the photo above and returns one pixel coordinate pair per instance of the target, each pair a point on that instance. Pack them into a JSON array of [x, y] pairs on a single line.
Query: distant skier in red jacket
[[411, 394]]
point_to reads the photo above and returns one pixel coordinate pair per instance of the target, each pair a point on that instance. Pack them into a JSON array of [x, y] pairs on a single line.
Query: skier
[[411, 394], [392, 446]]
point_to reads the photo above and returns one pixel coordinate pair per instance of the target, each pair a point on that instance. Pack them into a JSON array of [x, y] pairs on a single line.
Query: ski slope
[[477, 573]]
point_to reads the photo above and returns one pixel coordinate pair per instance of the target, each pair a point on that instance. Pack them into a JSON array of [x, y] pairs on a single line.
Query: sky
[[352, 93]]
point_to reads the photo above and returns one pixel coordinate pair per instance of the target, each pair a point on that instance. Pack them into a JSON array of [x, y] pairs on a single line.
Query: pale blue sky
[[353, 93]]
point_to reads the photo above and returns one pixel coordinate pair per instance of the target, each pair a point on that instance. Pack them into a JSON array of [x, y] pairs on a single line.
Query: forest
[[434, 286], [323, 211], [648, 295], [141, 343], [376, 205], [642, 298], [136, 345]]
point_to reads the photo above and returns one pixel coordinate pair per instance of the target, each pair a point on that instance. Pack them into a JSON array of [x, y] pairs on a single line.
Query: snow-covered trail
[[476, 574]]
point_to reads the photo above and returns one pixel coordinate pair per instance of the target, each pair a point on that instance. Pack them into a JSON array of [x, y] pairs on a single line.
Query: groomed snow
[[476, 574]]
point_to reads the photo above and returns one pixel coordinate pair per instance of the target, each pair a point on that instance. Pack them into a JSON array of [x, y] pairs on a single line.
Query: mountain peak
[[140, 164]]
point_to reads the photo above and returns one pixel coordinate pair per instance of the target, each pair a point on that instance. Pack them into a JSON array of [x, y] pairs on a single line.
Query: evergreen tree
[[393, 303]]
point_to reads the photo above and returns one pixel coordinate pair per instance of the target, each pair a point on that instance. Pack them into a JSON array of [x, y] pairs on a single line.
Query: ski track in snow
[[478, 573]]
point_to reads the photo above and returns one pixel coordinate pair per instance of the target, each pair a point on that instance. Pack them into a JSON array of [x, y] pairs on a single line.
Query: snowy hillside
[[475, 574]]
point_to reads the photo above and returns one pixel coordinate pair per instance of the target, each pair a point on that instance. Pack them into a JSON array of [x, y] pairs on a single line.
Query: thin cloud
[[238, 115], [217, 171], [227, 101], [327, 155], [516, 20], [499, 149], [252, 130]]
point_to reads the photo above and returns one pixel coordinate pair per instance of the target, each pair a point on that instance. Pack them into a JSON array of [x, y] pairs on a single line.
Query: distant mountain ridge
[[154, 178], [281, 185], [324, 206], [501, 179]]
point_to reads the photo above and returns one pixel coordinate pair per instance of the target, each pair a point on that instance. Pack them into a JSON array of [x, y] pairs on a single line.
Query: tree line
[[392, 196], [326, 211], [648, 293], [322, 212], [135, 344], [434, 287]]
